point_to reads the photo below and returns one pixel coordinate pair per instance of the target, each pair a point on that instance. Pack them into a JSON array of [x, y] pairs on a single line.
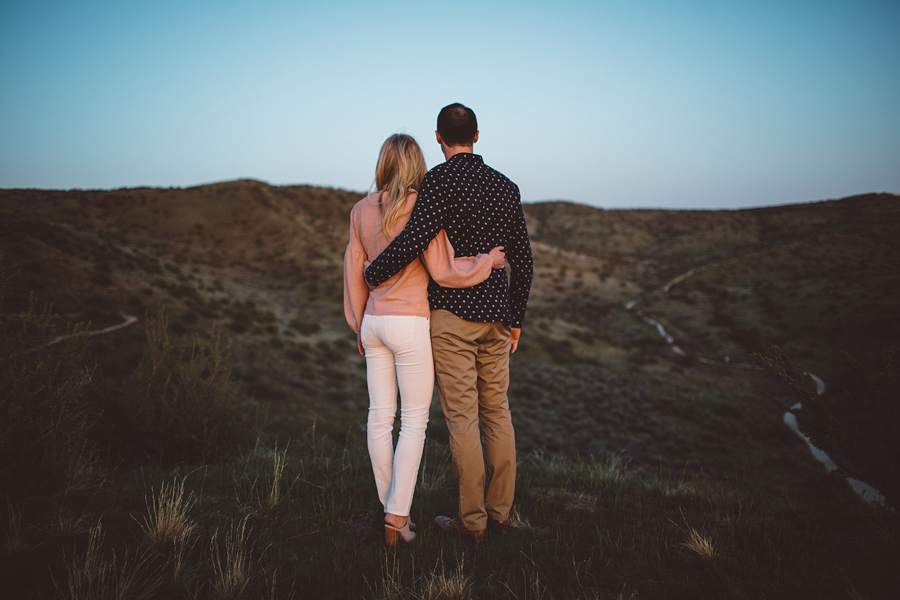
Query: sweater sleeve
[[451, 272], [356, 293]]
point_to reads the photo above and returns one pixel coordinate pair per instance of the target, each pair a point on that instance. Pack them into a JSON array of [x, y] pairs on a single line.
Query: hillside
[[592, 379], [770, 275], [264, 263]]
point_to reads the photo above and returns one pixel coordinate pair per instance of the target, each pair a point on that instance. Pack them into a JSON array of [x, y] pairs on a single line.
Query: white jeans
[[398, 355]]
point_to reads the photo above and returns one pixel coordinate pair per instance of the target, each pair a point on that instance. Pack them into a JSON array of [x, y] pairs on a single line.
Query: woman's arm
[[452, 272], [356, 293]]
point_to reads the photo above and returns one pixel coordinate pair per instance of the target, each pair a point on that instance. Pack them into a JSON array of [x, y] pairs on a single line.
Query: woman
[[392, 325]]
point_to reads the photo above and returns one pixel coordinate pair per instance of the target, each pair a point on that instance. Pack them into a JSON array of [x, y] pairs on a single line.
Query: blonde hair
[[399, 172]]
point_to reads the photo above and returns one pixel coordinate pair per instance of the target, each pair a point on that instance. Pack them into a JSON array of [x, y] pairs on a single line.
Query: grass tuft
[[274, 484], [70, 526], [167, 524], [443, 586], [13, 532], [232, 561], [700, 544], [94, 576], [437, 584], [84, 473]]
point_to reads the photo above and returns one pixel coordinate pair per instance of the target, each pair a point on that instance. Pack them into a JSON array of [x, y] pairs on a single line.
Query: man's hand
[[365, 267], [514, 333], [499, 257]]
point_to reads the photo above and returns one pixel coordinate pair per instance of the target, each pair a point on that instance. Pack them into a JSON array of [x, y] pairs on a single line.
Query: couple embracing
[[427, 292]]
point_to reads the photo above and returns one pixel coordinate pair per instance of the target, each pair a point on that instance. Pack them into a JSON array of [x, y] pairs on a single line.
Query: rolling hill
[[592, 378]]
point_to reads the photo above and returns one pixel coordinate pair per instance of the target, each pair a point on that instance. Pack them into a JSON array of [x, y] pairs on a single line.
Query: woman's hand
[[359, 345], [499, 257]]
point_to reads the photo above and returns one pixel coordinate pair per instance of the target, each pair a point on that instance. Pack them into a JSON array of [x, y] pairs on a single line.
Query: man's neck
[[451, 150]]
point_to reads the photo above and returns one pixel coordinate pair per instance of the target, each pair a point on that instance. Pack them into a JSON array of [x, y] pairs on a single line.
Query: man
[[473, 330]]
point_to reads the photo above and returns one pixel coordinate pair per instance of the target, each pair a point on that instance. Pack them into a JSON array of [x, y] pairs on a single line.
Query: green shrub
[[189, 404]]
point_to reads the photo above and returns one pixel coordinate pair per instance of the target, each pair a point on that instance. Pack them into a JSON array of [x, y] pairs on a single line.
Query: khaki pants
[[471, 364]]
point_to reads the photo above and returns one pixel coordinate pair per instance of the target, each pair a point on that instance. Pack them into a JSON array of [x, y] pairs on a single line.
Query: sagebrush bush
[[44, 419], [190, 405]]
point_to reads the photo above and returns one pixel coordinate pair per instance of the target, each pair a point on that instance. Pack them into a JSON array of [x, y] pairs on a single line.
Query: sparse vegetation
[[44, 419], [189, 405], [642, 474]]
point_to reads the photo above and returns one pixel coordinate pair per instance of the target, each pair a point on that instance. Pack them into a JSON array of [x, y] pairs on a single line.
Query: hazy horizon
[[692, 105], [525, 201]]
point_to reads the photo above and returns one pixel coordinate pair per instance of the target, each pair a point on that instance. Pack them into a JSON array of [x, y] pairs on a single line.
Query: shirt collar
[[467, 157]]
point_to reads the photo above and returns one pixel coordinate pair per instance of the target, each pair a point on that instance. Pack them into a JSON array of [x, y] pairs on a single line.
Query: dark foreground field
[[215, 447]]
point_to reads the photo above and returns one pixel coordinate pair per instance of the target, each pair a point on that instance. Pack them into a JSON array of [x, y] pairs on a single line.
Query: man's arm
[[423, 225], [518, 254]]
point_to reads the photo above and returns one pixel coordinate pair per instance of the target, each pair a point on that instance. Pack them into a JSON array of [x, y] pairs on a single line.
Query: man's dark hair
[[457, 125]]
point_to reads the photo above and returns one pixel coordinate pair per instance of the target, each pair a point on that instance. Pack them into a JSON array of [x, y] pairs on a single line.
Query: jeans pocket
[[398, 332]]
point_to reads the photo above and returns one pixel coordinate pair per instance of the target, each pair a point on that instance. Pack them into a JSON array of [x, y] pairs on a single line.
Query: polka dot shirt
[[480, 209]]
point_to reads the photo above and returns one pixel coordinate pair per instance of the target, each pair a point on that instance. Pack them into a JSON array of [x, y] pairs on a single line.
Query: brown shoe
[[498, 525], [455, 528]]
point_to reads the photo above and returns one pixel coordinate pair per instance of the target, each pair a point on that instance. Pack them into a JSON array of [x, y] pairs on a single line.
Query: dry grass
[[700, 544], [275, 485], [232, 561], [534, 588], [13, 532], [68, 525], [272, 492], [268, 490], [93, 576], [518, 521], [434, 478], [84, 473], [453, 586], [167, 523], [435, 585]]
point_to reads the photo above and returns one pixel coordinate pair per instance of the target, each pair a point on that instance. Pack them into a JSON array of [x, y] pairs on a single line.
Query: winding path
[[129, 320], [868, 493]]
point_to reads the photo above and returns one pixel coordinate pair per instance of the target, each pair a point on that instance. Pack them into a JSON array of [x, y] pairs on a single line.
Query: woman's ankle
[[395, 520]]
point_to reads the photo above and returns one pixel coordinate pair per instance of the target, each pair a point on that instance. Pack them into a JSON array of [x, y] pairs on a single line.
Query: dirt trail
[[129, 320], [868, 493]]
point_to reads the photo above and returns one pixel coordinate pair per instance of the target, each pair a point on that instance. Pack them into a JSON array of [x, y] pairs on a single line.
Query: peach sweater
[[406, 293]]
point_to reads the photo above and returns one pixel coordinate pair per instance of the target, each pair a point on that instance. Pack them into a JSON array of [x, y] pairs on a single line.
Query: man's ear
[[476, 137], [437, 135]]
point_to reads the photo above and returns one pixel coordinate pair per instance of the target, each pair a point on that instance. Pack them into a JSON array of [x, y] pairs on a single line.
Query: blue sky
[[695, 104]]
